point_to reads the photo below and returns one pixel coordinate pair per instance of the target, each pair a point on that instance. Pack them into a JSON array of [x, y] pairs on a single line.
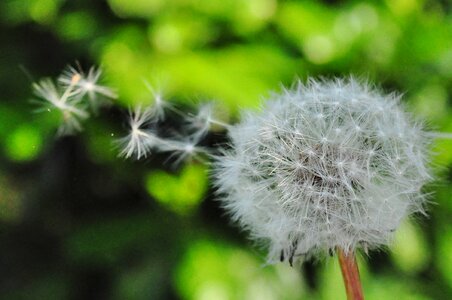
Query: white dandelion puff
[[324, 166]]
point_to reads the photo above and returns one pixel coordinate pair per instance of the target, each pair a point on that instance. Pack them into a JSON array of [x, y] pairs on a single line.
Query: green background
[[76, 222]]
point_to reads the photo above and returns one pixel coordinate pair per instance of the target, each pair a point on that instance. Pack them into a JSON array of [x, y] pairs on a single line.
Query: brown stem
[[350, 273]]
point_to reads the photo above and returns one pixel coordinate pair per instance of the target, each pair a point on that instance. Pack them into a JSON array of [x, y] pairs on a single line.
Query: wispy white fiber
[[65, 102], [200, 123], [87, 84], [181, 147], [323, 165], [140, 140], [160, 105]]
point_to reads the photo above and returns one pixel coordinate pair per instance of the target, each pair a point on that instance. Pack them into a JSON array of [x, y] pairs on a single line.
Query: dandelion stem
[[350, 273]]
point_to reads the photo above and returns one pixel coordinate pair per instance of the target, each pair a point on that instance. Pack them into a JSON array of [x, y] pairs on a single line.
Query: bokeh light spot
[[409, 251], [24, 143], [44, 11], [167, 38], [319, 49], [180, 194], [403, 7], [262, 9]]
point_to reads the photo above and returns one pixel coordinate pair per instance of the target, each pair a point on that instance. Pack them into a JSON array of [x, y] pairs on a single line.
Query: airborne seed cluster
[[74, 97], [324, 165]]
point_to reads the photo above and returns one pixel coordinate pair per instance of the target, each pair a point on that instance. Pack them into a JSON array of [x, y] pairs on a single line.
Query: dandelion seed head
[[318, 169]]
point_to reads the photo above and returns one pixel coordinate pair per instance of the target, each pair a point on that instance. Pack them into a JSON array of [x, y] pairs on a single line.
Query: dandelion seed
[[87, 85], [199, 124], [140, 140], [182, 149], [160, 105], [65, 102]]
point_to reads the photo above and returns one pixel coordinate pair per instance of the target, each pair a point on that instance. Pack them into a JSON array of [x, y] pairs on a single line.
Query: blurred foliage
[[78, 223], [214, 270], [182, 193]]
